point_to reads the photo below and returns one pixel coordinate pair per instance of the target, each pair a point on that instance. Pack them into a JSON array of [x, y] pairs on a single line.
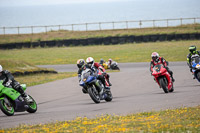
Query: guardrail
[[100, 26]]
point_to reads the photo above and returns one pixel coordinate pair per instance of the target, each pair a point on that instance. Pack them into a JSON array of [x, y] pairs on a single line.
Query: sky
[[48, 2]]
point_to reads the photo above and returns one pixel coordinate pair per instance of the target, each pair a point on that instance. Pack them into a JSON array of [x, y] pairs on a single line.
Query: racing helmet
[[110, 61], [192, 49], [101, 61], [155, 56], [1, 68], [80, 63], [90, 62]]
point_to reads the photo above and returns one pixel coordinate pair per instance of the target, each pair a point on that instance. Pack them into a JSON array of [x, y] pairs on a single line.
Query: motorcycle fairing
[[20, 104], [11, 93], [161, 71]]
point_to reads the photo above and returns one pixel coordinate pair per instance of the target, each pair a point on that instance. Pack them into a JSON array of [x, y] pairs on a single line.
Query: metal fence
[[100, 26]]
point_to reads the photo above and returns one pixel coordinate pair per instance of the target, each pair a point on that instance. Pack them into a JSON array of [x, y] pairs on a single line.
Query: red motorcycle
[[163, 78]]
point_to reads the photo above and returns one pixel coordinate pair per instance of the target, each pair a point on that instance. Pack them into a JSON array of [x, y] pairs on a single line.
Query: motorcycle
[[114, 66], [95, 87], [196, 66], [163, 78], [11, 100]]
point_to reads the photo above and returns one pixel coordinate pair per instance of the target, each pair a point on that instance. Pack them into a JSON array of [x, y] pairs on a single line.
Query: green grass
[[136, 52], [60, 35], [180, 120], [36, 79], [19, 66]]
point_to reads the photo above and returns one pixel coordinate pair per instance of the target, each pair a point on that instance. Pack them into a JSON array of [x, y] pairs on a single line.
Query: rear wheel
[[7, 107], [163, 85], [32, 106], [94, 94]]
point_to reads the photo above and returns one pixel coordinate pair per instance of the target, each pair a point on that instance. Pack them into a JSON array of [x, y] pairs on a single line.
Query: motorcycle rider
[[8, 80], [156, 59], [109, 63], [94, 66], [101, 62], [193, 51], [81, 66]]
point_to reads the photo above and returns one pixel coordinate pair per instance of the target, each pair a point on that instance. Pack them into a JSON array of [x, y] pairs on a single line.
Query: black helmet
[[101, 61], [80, 63], [192, 49]]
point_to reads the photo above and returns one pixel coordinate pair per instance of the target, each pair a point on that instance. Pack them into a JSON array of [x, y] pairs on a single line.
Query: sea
[[81, 13]]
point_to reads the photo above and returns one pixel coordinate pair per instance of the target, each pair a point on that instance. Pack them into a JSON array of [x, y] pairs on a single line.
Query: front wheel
[[94, 94], [7, 107], [163, 85], [198, 75], [32, 106]]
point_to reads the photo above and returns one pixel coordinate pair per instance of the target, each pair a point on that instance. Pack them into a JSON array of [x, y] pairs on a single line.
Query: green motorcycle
[[11, 101]]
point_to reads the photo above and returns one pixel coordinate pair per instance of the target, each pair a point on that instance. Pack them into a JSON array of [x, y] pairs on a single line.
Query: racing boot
[[109, 83], [27, 98], [173, 80]]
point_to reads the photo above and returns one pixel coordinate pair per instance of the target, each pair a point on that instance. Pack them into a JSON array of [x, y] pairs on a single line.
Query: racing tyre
[[32, 106], [94, 95], [163, 85], [198, 75], [7, 107]]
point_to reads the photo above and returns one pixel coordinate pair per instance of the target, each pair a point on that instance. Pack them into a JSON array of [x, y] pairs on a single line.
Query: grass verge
[[134, 52], [36, 79], [175, 120], [62, 34], [20, 66]]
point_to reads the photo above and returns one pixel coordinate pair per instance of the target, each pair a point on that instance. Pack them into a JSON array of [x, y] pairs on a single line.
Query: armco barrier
[[103, 40]]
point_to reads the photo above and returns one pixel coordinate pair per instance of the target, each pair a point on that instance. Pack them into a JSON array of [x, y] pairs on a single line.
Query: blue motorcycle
[[94, 87], [196, 66]]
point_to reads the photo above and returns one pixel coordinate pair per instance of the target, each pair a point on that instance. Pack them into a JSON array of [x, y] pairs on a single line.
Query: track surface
[[134, 90]]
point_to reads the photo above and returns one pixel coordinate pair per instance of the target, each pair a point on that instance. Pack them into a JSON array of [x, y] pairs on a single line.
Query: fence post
[[167, 22], [140, 23], [153, 23], [113, 25], [18, 30], [46, 29], [126, 24], [99, 25], [181, 22], [32, 30], [72, 27], [4, 31], [194, 20], [86, 26], [59, 27]]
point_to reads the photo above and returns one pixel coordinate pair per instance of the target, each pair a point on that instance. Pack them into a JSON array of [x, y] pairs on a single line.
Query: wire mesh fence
[[100, 26]]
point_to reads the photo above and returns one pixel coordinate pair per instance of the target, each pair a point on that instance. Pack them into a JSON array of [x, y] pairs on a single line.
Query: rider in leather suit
[[156, 59]]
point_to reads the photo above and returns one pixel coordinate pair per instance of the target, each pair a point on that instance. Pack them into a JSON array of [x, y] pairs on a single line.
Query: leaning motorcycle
[[163, 78], [114, 66], [196, 67], [11, 101], [94, 87]]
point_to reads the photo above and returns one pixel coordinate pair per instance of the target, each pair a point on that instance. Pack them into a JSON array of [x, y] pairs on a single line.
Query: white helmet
[[1, 68], [90, 61], [155, 56]]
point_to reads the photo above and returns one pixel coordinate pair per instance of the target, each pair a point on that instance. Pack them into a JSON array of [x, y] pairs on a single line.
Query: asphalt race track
[[134, 90]]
